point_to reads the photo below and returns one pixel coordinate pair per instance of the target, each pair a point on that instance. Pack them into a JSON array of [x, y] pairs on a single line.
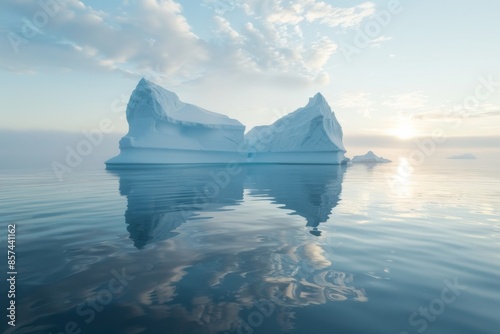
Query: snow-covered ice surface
[[369, 157], [165, 130], [310, 134], [466, 156]]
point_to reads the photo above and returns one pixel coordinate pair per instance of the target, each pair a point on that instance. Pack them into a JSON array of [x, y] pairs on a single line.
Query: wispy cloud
[[417, 106], [361, 102], [334, 16], [296, 11], [377, 42], [451, 114], [272, 41], [404, 102]]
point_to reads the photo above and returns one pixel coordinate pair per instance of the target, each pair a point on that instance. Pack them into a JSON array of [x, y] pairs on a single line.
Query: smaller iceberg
[[309, 135], [369, 158], [465, 156]]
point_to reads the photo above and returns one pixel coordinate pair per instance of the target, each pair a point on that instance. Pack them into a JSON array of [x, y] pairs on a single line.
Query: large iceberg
[[165, 130], [310, 134]]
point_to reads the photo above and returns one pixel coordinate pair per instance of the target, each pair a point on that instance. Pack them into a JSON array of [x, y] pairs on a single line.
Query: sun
[[404, 130]]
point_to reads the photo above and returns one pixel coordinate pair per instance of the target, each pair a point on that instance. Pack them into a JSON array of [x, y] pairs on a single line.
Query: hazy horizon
[[39, 149]]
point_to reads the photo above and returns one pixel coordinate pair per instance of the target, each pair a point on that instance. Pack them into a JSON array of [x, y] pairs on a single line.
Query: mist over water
[[38, 150]]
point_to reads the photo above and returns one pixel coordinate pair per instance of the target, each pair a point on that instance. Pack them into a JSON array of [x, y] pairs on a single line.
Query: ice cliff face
[[149, 100], [313, 128], [157, 118]]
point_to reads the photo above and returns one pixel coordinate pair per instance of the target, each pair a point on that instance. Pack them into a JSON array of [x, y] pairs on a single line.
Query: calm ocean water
[[258, 249]]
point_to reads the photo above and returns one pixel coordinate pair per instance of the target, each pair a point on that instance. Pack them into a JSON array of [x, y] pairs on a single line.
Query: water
[[261, 249]]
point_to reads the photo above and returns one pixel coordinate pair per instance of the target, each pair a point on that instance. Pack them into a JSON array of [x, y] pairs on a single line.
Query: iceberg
[[465, 156], [309, 135], [369, 158], [165, 130]]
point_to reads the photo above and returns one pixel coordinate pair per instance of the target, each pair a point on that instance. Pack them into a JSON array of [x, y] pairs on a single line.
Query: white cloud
[[458, 112], [273, 41], [150, 35], [224, 29], [296, 11], [334, 16], [319, 53], [377, 42], [147, 36]]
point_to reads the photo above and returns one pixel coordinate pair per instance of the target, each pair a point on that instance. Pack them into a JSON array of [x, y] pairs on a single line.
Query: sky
[[399, 68]]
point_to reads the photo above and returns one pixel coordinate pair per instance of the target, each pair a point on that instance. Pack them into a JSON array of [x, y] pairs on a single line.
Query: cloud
[[377, 42], [298, 11], [320, 52], [272, 41], [220, 7], [149, 36], [404, 102], [361, 102], [451, 114], [337, 17], [416, 105]]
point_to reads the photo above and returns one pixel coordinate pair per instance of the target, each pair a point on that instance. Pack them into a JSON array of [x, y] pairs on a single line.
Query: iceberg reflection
[[162, 199], [309, 191], [204, 270]]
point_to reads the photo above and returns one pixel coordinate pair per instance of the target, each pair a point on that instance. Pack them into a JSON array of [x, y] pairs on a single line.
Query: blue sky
[[399, 68]]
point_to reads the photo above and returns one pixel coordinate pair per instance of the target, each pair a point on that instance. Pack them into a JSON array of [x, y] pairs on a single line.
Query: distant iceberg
[[465, 156], [165, 130], [369, 157]]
